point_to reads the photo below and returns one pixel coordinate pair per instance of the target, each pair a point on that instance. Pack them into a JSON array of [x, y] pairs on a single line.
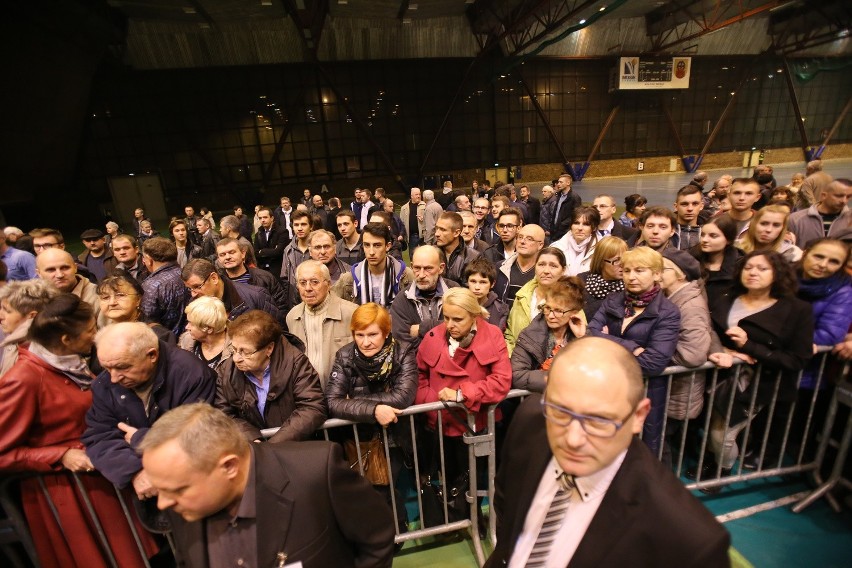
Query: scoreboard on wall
[[636, 73]]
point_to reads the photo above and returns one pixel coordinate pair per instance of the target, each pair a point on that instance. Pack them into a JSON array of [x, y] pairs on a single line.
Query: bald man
[[57, 266], [575, 479], [419, 308], [143, 378]]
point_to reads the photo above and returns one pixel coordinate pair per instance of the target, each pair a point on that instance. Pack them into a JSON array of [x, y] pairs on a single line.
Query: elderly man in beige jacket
[[322, 319]]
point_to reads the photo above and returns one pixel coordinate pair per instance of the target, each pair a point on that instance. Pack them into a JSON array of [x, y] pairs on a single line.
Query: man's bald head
[[58, 267], [593, 404], [530, 240], [129, 352], [426, 253]]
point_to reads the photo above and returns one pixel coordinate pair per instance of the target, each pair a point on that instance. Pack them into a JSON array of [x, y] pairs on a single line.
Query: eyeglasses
[[547, 310], [613, 261], [527, 239], [501, 226], [481, 207], [314, 282], [198, 287], [591, 425], [45, 246], [246, 354], [118, 296]]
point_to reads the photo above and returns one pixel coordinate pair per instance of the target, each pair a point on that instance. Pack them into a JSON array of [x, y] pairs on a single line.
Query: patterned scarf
[[389, 283], [377, 367], [633, 301], [600, 288]]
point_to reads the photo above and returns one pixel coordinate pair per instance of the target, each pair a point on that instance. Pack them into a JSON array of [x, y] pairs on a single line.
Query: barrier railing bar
[[97, 522], [142, 554]]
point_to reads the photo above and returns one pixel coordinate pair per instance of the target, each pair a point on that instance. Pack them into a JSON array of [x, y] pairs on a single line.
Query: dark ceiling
[[164, 34]]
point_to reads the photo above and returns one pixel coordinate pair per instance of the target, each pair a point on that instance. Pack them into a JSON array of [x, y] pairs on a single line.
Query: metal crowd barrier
[[484, 446]]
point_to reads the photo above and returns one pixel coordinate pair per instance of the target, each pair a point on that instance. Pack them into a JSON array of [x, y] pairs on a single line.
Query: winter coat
[[498, 312], [529, 354], [482, 371], [409, 308], [404, 214], [165, 298], [179, 378], [521, 313], [458, 260], [832, 311], [807, 224], [686, 397], [295, 401], [655, 329], [352, 397]]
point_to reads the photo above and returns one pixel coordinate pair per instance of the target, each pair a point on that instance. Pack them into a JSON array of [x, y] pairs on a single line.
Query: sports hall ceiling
[[167, 34]]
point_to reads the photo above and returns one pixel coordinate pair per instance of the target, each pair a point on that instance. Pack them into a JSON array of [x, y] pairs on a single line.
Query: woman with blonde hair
[[646, 323], [462, 360], [206, 332], [604, 275], [20, 302], [766, 233]]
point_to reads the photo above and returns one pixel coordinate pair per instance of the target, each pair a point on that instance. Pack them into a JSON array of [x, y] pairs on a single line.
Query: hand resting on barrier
[[386, 414], [76, 460], [143, 486]]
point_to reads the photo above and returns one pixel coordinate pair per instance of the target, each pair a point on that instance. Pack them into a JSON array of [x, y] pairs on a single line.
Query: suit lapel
[[619, 509], [272, 506]]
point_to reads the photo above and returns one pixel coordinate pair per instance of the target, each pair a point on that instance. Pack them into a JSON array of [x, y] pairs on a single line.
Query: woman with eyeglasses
[[579, 243], [647, 324], [20, 302], [268, 382], [206, 334], [43, 403], [604, 276], [767, 231], [549, 268], [120, 296], [559, 322]]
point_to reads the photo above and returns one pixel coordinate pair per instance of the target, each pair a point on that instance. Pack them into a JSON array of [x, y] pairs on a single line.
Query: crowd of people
[[298, 314]]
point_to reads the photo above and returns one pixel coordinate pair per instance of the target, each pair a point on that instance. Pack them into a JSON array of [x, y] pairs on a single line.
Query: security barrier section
[[719, 427]]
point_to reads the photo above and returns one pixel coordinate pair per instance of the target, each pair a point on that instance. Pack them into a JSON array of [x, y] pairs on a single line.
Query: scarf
[[376, 368], [389, 283], [72, 366], [463, 343], [819, 288], [600, 288], [633, 301]]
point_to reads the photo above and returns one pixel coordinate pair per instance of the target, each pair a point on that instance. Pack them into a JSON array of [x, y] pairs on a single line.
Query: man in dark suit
[[605, 204], [269, 242], [576, 488], [291, 503], [566, 202]]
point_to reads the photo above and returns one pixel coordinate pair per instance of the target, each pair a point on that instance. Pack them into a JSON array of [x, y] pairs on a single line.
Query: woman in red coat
[[43, 402], [462, 360]]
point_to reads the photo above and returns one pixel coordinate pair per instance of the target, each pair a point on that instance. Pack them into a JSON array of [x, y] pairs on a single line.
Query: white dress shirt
[[578, 516]]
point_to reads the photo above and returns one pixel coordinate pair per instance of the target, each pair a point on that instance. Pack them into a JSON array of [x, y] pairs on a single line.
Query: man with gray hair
[[322, 319], [412, 215], [143, 378], [431, 213], [322, 247], [284, 504], [229, 227]]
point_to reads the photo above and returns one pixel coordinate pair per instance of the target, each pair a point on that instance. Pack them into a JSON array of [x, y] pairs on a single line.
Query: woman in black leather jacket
[[372, 380]]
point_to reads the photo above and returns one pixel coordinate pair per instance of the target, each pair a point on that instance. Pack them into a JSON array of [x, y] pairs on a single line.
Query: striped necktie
[[552, 522]]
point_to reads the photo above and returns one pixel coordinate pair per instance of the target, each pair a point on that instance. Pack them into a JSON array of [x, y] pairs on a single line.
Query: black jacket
[[270, 251], [562, 223], [240, 298], [528, 355], [352, 397]]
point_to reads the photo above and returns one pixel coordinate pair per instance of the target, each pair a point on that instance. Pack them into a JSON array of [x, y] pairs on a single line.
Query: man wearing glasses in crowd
[[576, 479], [201, 279], [508, 223], [519, 267]]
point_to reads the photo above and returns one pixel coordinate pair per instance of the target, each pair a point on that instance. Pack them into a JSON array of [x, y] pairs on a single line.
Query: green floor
[[817, 537]]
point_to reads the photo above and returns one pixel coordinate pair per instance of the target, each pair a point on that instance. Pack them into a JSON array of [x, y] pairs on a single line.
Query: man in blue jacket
[[142, 379]]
